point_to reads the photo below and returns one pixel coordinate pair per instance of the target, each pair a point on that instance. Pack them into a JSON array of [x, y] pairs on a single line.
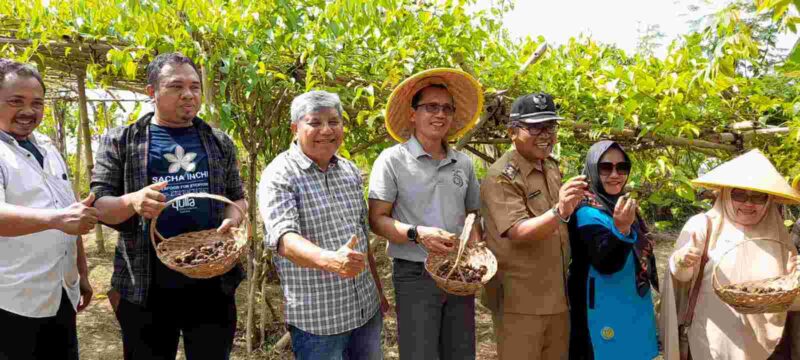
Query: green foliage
[[257, 55]]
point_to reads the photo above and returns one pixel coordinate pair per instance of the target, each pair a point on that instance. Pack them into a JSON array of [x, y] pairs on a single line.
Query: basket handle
[[715, 280], [465, 232], [154, 234]]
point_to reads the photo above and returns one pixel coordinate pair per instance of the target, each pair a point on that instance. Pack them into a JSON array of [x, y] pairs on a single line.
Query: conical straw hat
[[751, 171], [466, 91]]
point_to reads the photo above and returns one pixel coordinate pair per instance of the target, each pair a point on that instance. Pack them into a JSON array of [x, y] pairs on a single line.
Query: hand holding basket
[[771, 295], [233, 245], [476, 257]]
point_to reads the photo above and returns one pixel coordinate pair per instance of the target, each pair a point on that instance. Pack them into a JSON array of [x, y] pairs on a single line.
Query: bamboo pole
[[76, 179], [479, 154], [629, 133], [87, 144], [282, 342]]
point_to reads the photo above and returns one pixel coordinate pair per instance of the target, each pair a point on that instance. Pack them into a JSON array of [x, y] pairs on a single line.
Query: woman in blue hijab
[[613, 266]]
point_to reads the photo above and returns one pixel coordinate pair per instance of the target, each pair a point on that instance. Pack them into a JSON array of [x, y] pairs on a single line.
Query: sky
[[609, 21]]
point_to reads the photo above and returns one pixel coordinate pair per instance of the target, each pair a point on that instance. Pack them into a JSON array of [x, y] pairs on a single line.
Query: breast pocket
[[537, 203]]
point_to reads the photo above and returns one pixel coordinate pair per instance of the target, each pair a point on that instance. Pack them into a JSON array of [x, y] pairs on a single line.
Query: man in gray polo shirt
[[420, 193]]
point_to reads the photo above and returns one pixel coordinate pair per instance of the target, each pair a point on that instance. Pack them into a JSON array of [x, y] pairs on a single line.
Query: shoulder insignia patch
[[510, 171]]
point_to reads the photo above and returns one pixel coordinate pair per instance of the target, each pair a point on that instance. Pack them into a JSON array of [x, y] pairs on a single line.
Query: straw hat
[[466, 92], [751, 171]]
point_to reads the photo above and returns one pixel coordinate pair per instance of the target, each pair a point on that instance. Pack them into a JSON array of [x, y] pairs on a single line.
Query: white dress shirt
[[34, 268]]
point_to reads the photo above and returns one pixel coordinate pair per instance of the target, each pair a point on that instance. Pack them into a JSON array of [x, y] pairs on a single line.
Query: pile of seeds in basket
[[203, 254], [464, 272], [755, 289]]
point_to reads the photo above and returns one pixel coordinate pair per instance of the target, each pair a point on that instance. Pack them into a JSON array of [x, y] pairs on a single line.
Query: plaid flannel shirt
[[121, 168], [326, 208]]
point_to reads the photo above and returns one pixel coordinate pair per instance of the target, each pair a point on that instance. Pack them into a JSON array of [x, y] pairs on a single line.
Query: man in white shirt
[[43, 272]]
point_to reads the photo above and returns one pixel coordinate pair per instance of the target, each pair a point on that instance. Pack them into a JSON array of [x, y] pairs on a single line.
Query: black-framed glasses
[[434, 108], [540, 128], [606, 168], [754, 197]]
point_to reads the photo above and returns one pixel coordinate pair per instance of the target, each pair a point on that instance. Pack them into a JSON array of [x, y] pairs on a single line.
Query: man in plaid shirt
[[139, 167], [313, 206]]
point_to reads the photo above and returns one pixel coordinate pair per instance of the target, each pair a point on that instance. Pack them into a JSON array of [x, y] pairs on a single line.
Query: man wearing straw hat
[[526, 209], [312, 202], [420, 192], [43, 275], [165, 154]]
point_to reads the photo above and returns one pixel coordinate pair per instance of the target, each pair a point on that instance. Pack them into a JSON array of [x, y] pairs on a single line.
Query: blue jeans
[[363, 343]]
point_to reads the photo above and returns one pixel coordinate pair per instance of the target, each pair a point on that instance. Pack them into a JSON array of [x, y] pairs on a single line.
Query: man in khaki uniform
[[526, 210]]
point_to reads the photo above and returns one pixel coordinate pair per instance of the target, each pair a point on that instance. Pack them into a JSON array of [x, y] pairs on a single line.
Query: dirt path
[[99, 336]]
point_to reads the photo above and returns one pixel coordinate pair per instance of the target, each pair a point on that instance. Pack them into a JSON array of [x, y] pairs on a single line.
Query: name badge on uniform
[[534, 194]]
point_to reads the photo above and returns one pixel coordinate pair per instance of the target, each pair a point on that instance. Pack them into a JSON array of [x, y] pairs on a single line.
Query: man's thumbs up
[[346, 261], [89, 201], [78, 218], [352, 243]]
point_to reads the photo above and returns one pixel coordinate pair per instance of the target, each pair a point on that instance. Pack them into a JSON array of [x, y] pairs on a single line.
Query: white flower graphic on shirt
[[181, 159]]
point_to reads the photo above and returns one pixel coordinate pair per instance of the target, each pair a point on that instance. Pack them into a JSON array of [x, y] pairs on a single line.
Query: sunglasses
[[606, 168], [434, 108], [756, 198]]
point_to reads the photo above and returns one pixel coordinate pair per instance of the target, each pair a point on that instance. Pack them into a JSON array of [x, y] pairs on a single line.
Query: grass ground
[[99, 335]]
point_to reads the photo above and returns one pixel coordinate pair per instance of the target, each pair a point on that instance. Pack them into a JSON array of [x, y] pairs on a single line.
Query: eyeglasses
[[606, 168], [538, 129], [333, 124], [754, 197], [434, 108]]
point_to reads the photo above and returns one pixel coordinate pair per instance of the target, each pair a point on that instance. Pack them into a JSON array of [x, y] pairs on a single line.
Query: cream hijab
[[753, 260]]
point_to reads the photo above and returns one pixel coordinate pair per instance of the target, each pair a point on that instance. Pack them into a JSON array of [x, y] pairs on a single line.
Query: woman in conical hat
[[750, 190]]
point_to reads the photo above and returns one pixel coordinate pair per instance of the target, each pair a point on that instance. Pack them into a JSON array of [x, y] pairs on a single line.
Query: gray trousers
[[431, 324]]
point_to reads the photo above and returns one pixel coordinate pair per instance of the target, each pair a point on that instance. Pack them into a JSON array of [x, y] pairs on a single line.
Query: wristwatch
[[412, 234], [558, 216]]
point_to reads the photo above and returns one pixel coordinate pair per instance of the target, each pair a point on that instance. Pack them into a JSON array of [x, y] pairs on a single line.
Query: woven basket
[[475, 256], [177, 244], [750, 301]]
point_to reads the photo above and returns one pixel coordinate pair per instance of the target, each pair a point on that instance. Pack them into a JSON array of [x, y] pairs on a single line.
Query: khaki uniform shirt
[[531, 278]]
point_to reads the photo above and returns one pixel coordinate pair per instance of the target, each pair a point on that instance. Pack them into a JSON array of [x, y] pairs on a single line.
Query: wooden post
[[87, 147]]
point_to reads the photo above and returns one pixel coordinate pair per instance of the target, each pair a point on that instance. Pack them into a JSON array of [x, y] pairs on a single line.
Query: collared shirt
[[424, 191], [531, 275], [35, 267], [326, 208], [121, 168]]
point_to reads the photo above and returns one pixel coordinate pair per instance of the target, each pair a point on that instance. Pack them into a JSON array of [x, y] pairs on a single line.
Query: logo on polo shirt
[[458, 177], [181, 160]]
